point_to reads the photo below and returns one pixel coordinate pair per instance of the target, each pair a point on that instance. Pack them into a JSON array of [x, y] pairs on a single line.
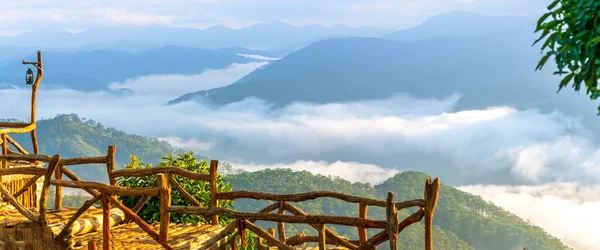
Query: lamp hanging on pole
[[29, 76]]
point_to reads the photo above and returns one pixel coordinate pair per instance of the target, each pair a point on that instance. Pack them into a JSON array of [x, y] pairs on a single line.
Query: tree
[[199, 189], [571, 30]]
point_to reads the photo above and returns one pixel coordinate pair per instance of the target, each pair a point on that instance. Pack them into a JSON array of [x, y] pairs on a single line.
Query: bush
[[199, 189]]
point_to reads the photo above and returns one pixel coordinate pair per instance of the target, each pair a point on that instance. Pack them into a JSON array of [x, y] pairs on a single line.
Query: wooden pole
[[322, 237], [242, 231], [281, 225], [54, 162], [58, 195], [165, 201], [362, 213], [432, 189], [213, 189], [392, 221], [110, 164], [4, 150], [92, 245], [34, 88], [106, 237]]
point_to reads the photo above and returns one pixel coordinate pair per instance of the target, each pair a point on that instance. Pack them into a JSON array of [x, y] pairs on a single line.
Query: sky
[[20, 16]]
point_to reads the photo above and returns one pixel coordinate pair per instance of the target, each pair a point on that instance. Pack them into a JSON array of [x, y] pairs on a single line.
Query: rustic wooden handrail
[[299, 197], [307, 219], [14, 124], [23, 171], [160, 170], [18, 130], [107, 189]]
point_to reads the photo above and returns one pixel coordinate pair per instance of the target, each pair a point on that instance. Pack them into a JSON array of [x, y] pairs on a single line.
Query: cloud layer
[[566, 210]]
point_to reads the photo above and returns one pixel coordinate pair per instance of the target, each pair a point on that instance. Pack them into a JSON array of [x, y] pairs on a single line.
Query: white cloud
[[565, 210], [351, 171], [176, 85], [259, 57]]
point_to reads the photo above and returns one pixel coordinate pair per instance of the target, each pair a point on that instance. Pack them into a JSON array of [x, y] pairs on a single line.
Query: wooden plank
[[58, 194], [46, 188], [362, 213], [165, 202], [265, 235], [214, 203], [392, 221], [312, 219], [107, 189], [161, 170], [322, 237], [106, 236]]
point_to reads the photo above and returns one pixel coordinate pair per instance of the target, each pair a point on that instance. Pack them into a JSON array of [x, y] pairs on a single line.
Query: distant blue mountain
[[459, 23], [95, 70], [261, 36]]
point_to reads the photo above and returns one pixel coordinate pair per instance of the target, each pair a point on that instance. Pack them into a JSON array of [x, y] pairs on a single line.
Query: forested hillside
[[72, 136], [462, 220]]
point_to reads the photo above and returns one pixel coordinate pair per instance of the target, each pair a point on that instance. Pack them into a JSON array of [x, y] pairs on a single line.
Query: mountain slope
[[462, 220], [458, 23], [71, 136], [267, 36], [95, 70]]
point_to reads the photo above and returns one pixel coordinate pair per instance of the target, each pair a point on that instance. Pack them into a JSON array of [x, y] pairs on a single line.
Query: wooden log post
[[92, 245], [362, 232], [4, 150], [281, 225], [270, 239], [165, 201], [58, 195], [54, 162], [34, 88], [110, 164], [322, 237], [391, 215], [432, 189], [271, 232], [214, 203], [242, 231], [106, 237]]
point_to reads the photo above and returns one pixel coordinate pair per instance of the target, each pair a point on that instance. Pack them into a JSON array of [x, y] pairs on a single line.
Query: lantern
[[29, 76]]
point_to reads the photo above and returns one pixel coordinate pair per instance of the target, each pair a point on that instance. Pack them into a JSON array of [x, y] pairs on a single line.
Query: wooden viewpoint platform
[[20, 233]]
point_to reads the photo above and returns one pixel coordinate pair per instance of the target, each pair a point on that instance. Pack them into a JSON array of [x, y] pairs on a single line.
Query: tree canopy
[[571, 35]]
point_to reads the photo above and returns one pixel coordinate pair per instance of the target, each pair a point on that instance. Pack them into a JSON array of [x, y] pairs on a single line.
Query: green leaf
[[553, 4], [594, 41], [565, 81], [543, 61]]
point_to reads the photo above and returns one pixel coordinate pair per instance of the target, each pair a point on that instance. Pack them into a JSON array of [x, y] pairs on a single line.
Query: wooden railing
[[242, 221]]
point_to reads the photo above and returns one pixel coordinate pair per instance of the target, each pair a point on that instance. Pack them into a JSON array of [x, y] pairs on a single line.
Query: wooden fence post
[[58, 195], [92, 245], [214, 203], [106, 237], [431, 197], [4, 150], [34, 88], [280, 225], [165, 202], [54, 162], [110, 164], [362, 232], [391, 214], [322, 237]]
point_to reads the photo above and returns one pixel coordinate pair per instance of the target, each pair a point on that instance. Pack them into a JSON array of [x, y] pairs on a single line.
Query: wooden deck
[[18, 231]]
